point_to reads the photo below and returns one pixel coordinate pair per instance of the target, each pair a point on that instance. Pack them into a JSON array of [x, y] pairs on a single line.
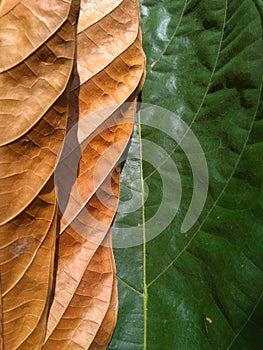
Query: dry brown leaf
[[110, 72], [33, 118], [91, 299], [31, 160], [104, 333], [88, 228], [31, 87], [27, 254], [26, 25], [34, 105]]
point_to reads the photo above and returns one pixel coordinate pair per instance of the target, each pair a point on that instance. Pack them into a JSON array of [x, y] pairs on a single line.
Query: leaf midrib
[[144, 246], [147, 286], [190, 125]]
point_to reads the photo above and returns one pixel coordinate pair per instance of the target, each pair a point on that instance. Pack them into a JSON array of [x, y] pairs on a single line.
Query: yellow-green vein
[[171, 39], [127, 285], [145, 287], [244, 325]]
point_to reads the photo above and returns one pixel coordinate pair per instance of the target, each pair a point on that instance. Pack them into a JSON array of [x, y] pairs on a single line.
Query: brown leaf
[[103, 336], [30, 88], [31, 160], [49, 88], [33, 101], [91, 298], [110, 73], [26, 25], [27, 251], [78, 244]]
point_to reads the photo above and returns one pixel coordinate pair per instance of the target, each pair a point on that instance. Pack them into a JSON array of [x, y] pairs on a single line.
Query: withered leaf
[[61, 293], [102, 89], [26, 25], [33, 118]]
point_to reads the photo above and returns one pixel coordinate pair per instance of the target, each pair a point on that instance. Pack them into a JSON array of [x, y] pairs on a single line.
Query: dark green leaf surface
[[201, 289]]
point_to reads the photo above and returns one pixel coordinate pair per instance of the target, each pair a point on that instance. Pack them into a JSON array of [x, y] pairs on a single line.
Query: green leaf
[[199, 289]]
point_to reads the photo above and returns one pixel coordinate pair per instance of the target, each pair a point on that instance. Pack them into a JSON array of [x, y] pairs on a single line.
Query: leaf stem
[[145, 287]]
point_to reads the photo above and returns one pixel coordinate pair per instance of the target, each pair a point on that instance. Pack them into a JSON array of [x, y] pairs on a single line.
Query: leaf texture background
[[201, 289], [68, 61]]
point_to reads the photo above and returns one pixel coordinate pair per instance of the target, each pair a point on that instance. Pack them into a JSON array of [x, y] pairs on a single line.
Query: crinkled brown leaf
[[26, 25], [109, 70], [102, 88], [33, 119], [30, 87]]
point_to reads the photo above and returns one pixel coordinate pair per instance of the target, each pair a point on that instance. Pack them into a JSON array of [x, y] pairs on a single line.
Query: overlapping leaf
[[201, 289], [33, 116], [108, 79], [39, 102]]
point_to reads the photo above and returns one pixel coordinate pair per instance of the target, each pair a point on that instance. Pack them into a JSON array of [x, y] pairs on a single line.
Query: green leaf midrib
[[207, 215], [144, 246], [192, 122]]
